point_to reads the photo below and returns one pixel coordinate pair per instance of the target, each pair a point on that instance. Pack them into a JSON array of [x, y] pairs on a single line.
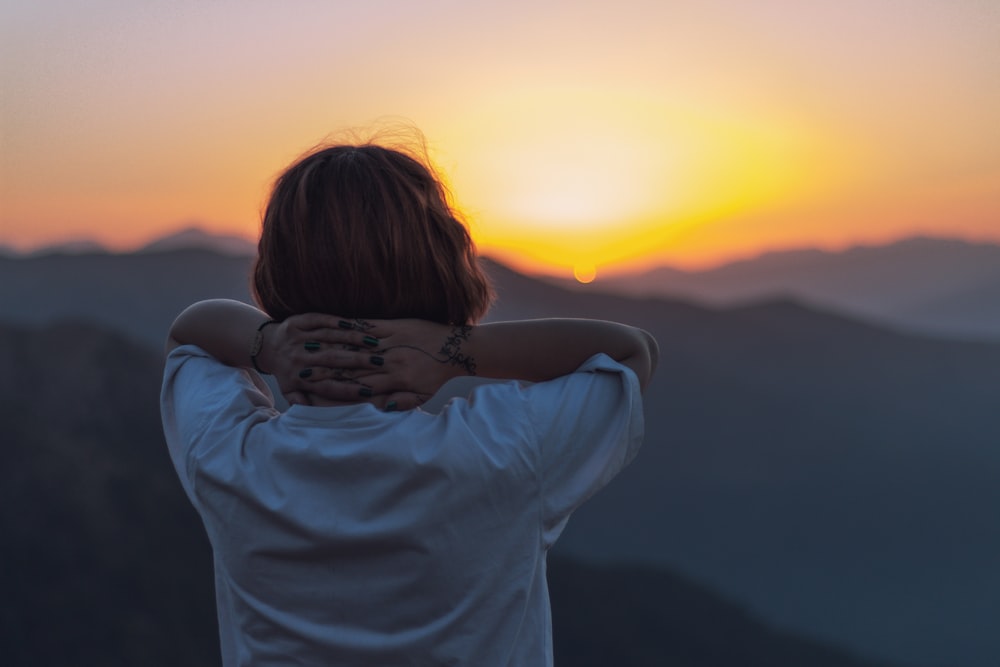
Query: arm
[[228, 330], [538, 350], [402, 362], [225, 329], [421, 356]]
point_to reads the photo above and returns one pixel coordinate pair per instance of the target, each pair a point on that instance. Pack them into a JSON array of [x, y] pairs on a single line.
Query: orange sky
[[592, 135]]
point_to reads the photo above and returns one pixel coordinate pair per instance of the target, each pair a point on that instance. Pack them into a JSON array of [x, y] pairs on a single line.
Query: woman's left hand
[[315, 356]]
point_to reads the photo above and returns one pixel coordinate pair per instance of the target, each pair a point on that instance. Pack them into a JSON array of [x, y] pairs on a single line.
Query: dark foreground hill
[[836, 478], [105, 563]]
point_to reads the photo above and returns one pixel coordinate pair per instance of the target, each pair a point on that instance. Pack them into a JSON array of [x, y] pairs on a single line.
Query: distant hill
[[194, 238], [188, 238], [835, 477], [138, 294], [77, 247], [943, 287], [107, 563]]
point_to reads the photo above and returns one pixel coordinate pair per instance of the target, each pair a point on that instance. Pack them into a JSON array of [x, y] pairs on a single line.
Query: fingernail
[[370, 341], [312, 346], [377, 360], [344, 324], [305, 372], [390, 406], [365, 391]]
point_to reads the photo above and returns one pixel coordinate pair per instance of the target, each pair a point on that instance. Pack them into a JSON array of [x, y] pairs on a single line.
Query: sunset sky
[[576, 135]]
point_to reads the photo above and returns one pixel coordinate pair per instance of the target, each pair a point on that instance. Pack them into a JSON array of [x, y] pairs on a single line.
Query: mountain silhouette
[[74, 247], [195, 238], [944, 287], [836, 478], [138, 294]]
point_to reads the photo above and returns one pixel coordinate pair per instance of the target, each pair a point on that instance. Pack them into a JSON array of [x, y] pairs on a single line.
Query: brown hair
[[366, 231]]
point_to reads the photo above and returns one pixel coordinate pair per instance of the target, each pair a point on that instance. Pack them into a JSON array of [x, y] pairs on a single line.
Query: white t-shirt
[[352, 536]]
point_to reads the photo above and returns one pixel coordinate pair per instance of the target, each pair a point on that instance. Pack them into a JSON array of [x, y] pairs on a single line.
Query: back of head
[[366, 231]]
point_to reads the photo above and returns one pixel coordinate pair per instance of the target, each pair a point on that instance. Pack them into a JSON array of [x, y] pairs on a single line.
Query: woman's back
[[347, 535]]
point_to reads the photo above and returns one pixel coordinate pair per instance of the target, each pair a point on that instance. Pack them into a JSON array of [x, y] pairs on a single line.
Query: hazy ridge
[[939, 286]]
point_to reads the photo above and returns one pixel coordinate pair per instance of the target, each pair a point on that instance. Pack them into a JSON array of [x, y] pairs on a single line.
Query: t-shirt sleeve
[[203, 403], [590, 426]]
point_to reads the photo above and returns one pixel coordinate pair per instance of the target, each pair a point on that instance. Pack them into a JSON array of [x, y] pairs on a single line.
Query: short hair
[[365, 231]]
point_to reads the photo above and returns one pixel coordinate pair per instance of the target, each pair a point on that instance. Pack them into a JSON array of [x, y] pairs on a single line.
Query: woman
[[353, 528]]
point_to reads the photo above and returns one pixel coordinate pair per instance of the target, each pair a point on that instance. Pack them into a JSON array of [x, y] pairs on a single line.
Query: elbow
[[177, 334], [644, 357], [170, 345], [651, 357], [653, 349]]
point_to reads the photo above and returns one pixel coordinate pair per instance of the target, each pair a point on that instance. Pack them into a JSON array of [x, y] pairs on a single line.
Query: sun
[[584, 273]]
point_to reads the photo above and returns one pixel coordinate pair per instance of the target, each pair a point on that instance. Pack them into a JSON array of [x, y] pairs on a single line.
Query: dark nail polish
[[377, 360], [312, 346], [391, 406], [305, 372], [370, 341], [365, 391], [344, 324]]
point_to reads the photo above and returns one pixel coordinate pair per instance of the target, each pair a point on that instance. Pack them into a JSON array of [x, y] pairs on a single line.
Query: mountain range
[[943, 287], [834, 477], [936, 286], [191, 237]]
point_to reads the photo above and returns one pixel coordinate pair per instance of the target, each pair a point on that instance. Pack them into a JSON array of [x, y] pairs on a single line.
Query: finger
[[341, 390], [327, 338], [397, 402], [296, 398], [322, 374], [318, 321], [342, 359], [362, 375], [312, 321], [401, 401], [379, 382]]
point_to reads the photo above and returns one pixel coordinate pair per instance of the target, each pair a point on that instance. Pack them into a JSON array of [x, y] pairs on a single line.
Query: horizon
[[84, 245], [689, 136]]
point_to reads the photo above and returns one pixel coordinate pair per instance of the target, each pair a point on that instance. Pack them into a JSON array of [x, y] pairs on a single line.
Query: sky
[[576, 136]]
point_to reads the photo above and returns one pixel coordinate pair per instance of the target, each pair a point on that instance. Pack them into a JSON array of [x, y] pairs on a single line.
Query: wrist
[[457, 353], [258, 347]]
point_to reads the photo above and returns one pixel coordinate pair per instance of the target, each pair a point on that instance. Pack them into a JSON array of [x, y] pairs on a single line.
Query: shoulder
[[598, 390], [600, 380], [201, 396], [196, 370]]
